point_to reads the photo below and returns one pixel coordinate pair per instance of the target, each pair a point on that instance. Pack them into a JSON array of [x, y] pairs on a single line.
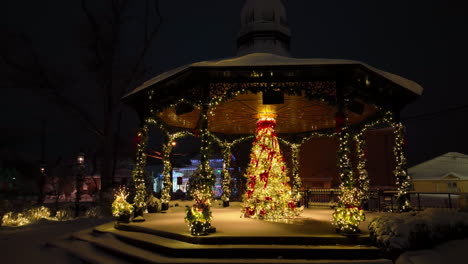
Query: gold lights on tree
[[403, 180], [138, 173], [349, 214], [268, 194]]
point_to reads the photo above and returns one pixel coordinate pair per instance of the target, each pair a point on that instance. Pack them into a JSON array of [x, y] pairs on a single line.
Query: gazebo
[[220, 102]]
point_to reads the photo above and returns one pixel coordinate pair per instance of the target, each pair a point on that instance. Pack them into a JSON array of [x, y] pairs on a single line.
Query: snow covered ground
[[27, 244], [453, 252]]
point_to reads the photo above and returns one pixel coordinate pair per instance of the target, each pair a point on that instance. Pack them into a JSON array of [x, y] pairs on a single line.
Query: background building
[[446, 173]]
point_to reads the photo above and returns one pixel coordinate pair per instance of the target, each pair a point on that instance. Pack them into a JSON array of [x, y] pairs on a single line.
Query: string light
[[353, 189], [120, 206], [349, 214], [138, 173], [269, 194]]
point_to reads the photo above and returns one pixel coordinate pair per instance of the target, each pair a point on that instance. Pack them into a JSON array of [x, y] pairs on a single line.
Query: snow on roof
[[267, 59], [452, 163]]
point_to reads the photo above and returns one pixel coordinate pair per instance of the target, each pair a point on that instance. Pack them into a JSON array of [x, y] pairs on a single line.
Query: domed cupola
[[263, 28]]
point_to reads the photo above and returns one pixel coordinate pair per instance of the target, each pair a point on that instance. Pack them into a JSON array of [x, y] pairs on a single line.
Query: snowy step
[[134, 254], [215, 239], [176, 248], [85, 252]]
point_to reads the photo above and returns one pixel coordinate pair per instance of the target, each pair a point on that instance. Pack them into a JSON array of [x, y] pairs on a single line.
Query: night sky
[[422, 40]]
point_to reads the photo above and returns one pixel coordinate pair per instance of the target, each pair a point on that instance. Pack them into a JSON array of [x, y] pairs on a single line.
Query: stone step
[[176, 248], [97, 248], [216, 239], [84, 251]]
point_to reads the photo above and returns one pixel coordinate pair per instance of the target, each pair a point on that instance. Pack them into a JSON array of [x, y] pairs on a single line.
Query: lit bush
[[37, 213], [64, 214], [347, 218], [93, 212], [14, 219], [120, 206]]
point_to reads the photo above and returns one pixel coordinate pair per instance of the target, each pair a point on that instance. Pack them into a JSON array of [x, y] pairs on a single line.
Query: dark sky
[[422, 40]]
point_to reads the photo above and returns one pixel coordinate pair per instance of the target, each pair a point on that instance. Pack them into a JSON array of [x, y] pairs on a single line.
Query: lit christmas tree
[[268, 194]]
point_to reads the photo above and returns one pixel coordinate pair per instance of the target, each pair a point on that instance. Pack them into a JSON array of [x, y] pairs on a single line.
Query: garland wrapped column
[[166, 180], [403, 180], [297, 183], [139, 201], [349, 213], [201, 185], [363, 177], [226, 175]]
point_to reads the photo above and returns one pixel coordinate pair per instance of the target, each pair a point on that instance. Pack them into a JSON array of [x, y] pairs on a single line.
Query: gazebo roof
[[437, 168], [262, 60], [370, 87]]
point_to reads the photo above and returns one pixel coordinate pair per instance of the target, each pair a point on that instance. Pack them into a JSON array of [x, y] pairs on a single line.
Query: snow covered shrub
[[65, 213], [93, 212], [26, 217], [120, 206], [418, 230], [153, 204], [37, 213], [14, 219]]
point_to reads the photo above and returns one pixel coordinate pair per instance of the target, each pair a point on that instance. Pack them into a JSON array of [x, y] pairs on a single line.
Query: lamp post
[[42, 181], [79, 181]]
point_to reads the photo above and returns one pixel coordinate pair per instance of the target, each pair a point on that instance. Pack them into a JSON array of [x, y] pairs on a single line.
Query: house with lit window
[[181, 176], [446, 173]]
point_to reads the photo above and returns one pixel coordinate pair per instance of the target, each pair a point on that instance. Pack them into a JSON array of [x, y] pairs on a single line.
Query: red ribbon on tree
[[264, 124], [264, 178]]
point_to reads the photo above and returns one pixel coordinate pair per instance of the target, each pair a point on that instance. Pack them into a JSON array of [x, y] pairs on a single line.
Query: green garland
[[167, 150], [403, 180], [349, 214], [201, 183], [138, 174], [226, 183], [297, 182], [363, 183]]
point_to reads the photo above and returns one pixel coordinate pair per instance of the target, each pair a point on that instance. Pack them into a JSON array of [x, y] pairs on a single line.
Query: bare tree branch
[[145, 48], [95, 30], [36, 76]]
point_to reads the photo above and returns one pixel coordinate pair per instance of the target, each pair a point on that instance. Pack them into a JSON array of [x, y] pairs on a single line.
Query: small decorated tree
[[268, 194], [122, 209], [199, 215]]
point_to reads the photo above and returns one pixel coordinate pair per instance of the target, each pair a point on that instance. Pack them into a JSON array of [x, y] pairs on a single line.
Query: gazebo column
[[349, 213], [403, 180], [167, 173], [199, 215], [226, 175], [138, 174], [362, 181], [297, 183]]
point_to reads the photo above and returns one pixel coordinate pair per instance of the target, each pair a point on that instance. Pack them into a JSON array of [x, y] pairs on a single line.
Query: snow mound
[[418, 230]]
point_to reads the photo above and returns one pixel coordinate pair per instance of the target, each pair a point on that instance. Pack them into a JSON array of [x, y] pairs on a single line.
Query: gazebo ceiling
[[318, 78], [240, 114]]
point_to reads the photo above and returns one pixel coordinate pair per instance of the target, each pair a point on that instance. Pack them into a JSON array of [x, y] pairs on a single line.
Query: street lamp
[[173, 143], [79, 181], [80, 159], [42, 181]]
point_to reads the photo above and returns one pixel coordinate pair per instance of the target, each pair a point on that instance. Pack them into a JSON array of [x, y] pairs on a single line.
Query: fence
[[380, 200]]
